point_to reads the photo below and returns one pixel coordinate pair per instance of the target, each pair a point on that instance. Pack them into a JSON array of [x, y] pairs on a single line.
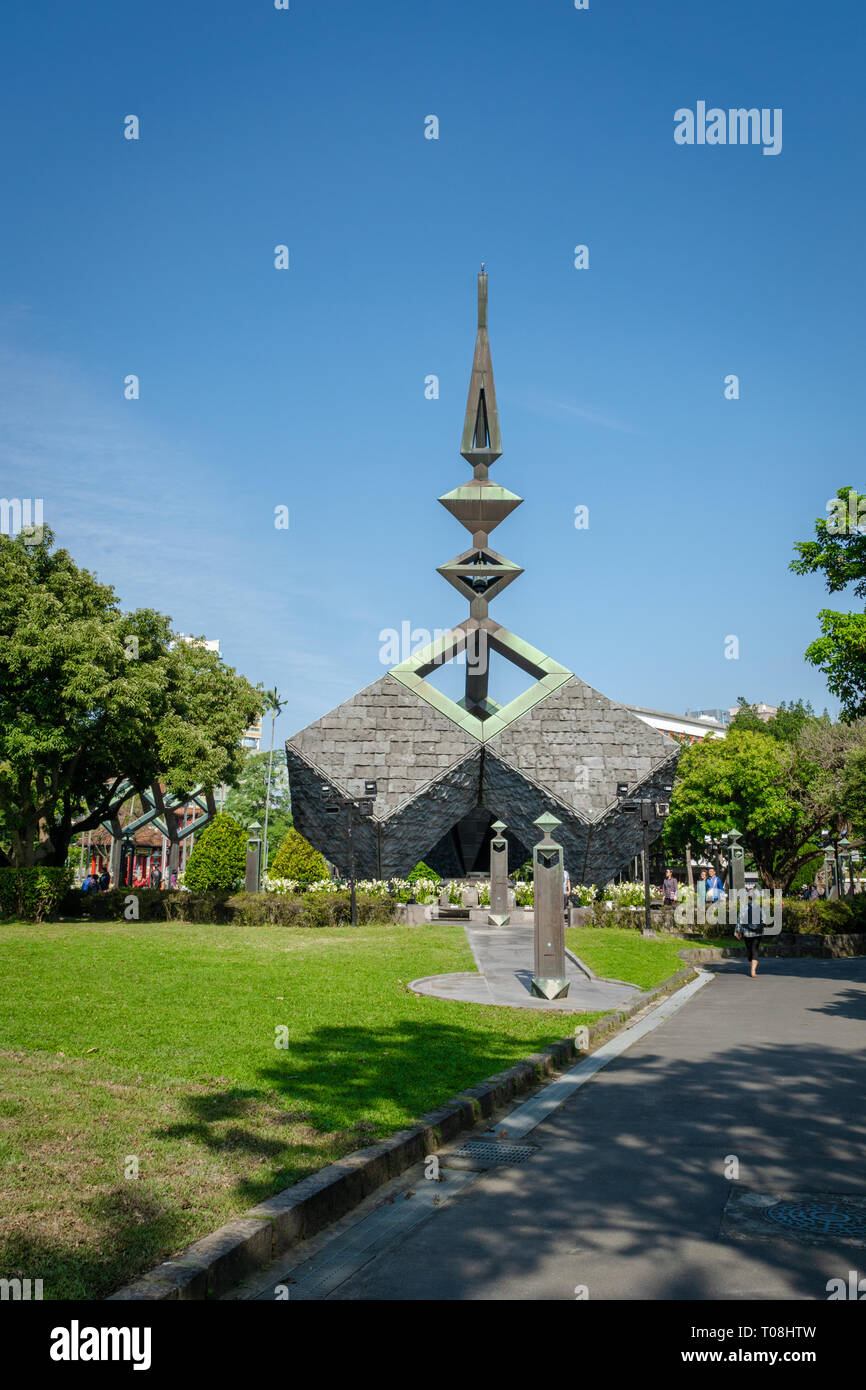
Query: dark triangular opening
[[482, 430], [465, 848]]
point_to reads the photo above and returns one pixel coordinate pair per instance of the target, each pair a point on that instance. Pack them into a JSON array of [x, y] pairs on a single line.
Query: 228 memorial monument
[[445, 769]]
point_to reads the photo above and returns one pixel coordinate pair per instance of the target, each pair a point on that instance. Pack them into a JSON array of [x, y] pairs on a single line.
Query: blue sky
[[305, 388]]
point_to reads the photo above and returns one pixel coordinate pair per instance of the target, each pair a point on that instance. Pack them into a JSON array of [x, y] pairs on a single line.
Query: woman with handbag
[[750, 928]]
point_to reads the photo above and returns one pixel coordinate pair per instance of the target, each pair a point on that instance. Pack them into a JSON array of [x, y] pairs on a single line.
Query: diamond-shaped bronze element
[[480, 505], [485, 719], [480, 573]]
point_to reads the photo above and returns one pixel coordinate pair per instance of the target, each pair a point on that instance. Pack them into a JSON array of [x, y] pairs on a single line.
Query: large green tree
[[839, 553], [778, 793], [92, 697], [854, 791]]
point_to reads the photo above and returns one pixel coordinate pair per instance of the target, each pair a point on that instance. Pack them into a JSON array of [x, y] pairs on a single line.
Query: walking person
[[670, 888], [750, 929], [701, 886], [566, 892], [155, 876]]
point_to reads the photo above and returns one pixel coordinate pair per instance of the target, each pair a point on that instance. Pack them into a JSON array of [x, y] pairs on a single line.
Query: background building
[[716, 716], [685, 728]]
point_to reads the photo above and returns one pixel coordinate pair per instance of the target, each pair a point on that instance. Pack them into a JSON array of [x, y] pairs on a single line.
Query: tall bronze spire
[[480, 574], [482, 442]]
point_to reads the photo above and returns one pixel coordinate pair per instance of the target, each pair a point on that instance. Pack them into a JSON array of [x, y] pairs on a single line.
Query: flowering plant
[[426, 890], [280, 885], [585, 893], [524, 895], [628, 894]]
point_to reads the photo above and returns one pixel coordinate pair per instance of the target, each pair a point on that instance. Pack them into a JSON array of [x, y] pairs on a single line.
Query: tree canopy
[[92, 697], [839, 553], [784, 725], [779, 792]]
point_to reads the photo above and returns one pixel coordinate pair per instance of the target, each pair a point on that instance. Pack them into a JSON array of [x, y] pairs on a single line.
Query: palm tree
[[274, 704]]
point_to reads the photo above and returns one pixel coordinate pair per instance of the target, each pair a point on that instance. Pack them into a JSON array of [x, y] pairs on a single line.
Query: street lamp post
[[737, 870], [274, 703], [716, 846], [843, 856], [334, 803], [649, 811], [853, 858], [127, 858], [830, 862], [254, 859]]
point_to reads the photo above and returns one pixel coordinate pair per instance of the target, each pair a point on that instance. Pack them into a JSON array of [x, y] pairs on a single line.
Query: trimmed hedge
[[246, 909], [821, 917], [310, 909], [33, 894], [145, 905], [825, 918]]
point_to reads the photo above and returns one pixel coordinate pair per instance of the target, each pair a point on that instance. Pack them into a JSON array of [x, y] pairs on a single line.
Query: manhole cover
[[819, 1218], [486, 1153]]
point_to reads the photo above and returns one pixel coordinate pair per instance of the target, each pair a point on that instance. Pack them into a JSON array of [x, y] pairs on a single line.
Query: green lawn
[[154, 1044], [626, 955]]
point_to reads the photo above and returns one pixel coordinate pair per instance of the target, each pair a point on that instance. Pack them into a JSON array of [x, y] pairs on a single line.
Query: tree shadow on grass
[[338, 1090], [132, 1230]]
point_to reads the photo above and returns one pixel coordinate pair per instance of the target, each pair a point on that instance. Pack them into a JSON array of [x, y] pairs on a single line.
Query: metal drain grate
[[820, 1218], [486, 1153]]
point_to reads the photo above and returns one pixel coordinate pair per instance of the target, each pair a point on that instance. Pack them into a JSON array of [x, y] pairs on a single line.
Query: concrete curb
[[215, 1264]]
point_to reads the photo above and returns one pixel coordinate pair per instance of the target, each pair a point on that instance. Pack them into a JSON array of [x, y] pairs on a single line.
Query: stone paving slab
[[504, 959]]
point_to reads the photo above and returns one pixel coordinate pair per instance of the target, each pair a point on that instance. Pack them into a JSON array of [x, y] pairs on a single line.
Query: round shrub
[[218, 861], [296, 859]]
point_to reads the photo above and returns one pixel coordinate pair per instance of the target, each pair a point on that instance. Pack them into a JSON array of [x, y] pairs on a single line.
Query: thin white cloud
[[551, 408]]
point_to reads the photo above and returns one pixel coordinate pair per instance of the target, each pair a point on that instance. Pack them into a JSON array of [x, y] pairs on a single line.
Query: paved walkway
[[630, 1191], [504, 959]]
